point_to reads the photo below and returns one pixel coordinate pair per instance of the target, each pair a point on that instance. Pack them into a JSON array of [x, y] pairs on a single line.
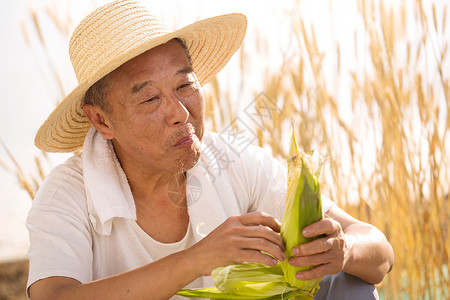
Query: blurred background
[[365, 82]]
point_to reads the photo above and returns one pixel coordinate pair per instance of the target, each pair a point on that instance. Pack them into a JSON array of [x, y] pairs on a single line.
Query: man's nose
[[177, 112]]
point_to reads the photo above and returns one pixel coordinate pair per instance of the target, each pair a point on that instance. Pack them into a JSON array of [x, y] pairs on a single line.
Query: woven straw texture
[[117, 32]]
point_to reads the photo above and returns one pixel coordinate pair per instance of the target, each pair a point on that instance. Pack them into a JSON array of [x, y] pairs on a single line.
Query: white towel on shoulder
[[107, 189]]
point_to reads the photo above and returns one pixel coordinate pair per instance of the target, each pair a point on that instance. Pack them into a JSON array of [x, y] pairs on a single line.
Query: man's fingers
[[264, 232], [251, 237], [256, 256], [327, 226], [314, 247], [260, 218], [261, 244], [311, 260], [317, 272]]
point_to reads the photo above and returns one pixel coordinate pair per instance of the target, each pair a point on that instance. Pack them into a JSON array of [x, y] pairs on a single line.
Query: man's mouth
[[185, 141]]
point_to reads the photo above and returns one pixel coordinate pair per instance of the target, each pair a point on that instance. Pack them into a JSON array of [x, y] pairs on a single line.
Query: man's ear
[[98, 118]]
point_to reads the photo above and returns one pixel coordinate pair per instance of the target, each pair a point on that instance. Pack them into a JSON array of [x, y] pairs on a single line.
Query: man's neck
[[170, 188], [149, 182], [161, 207]]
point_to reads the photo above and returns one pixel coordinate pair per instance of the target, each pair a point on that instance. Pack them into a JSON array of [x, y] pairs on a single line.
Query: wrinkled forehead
[[174, 48]]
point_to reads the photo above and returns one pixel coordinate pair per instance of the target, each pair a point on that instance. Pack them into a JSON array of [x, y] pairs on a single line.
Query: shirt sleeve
[[60, 239], [267, 178]]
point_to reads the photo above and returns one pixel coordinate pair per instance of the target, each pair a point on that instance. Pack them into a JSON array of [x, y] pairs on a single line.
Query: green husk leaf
[[293, 157], [251, 279], [303, 207], [215, 293]]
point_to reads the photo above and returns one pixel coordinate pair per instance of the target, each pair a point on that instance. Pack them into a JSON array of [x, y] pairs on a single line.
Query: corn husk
[[258, 281], [303, 207], [248, 281]]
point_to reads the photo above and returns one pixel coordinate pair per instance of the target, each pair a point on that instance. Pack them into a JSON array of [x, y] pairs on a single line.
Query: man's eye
[[185, 85], [151, 99]]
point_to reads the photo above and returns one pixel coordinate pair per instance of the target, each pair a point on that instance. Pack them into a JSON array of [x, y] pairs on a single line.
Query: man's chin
[[189, 160]]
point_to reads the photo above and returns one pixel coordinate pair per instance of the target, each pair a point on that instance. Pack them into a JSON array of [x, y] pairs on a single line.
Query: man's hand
[[327, 254], [240, 239]]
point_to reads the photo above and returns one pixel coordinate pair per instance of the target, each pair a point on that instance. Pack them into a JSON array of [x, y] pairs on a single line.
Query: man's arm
[[157, 280], [238, 239], [349, 245]]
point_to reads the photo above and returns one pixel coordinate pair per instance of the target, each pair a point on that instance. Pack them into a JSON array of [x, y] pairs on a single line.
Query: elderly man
[[118, 221]]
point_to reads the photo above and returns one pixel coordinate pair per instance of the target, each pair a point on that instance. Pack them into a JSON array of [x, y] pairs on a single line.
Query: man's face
[[156, 111]]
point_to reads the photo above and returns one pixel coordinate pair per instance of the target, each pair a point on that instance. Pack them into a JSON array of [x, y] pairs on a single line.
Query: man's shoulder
[[71, 168], [65, 179]]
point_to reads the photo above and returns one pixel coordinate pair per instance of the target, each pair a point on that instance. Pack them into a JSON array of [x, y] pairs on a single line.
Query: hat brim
[[210, 42]]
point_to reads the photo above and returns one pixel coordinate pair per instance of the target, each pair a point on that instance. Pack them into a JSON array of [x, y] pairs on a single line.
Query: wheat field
[[387, 141]]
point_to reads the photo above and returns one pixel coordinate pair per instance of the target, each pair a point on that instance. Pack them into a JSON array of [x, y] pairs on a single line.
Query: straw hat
[[117, 32]]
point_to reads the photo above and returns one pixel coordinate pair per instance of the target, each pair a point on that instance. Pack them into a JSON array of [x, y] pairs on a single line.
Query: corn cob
[[303, 207]]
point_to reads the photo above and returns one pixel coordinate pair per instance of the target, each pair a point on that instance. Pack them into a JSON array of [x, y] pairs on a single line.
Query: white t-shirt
[[82, 223]]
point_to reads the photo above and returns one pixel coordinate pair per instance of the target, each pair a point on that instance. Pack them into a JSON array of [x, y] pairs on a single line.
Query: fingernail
[[274, 261], [291, 260], [299, 276], [306, 232], [283, 256], [295, 251]]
